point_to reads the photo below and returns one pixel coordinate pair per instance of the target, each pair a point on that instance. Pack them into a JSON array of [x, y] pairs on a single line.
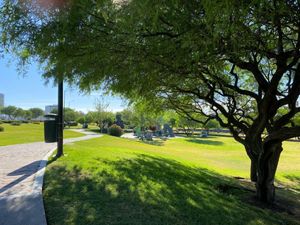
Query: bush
[[1, 129], [35, 122], [72, 123], [115, 130], [1, 122], [16, 123], [7, 121]]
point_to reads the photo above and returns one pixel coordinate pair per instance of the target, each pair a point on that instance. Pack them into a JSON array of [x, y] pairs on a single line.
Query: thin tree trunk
[[267, 165]]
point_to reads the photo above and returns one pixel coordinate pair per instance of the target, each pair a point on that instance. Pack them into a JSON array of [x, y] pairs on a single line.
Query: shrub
[[115, 130], [35, 122], [7, 121], [72, 123], [1, 129], [16, 123], [1, 122]]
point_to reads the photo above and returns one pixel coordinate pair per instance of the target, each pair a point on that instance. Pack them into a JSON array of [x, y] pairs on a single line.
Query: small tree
[[9, 111], [102, 117], [70, 115], [27, 114], [36, 112], [19, 113]]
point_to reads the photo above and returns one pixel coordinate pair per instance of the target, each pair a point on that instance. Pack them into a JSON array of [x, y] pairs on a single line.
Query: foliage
[[212, 124], [17, 113], [71, 115], [9, 111], [115, 130], [187, 125], [101, 116], [36, 112], [171, 117], [128, 117], [90, 117], [1, 129], [81, 120], [28, 115], [240, 67]]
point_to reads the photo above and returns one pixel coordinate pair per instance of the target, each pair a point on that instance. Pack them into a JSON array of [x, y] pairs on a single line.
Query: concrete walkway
[[132, 136], [22, 170]]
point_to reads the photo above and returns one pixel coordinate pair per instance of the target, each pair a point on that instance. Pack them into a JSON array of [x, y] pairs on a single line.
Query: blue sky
[[29, 90]]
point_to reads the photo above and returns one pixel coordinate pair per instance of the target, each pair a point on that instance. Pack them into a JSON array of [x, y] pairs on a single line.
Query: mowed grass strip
[[27, 133], [118, 181]]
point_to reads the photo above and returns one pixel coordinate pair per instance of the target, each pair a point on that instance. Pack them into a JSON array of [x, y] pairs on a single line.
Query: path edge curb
[[39, 179]]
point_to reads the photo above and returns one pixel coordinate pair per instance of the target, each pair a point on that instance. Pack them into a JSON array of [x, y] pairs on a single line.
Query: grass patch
[[27, 133], [118, 181]]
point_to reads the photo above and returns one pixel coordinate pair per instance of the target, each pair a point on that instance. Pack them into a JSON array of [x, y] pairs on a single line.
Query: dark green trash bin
[[50, 128]]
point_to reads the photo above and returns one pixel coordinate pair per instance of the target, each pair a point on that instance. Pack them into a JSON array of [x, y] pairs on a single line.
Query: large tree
[[233, 61]]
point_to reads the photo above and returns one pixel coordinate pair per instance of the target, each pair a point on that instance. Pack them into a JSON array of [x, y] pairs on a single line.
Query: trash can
[[50, 128]]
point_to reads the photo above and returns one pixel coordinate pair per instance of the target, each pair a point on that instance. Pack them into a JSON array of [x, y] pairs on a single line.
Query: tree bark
[[267, 165], [253, 148], [253, 170]]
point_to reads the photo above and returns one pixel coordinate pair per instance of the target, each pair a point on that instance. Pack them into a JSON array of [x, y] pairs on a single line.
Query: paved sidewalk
[[132, 136], [21, 178]]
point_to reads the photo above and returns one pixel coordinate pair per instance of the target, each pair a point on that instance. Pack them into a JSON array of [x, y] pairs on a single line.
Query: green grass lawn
[[26, 133], [118, 181]]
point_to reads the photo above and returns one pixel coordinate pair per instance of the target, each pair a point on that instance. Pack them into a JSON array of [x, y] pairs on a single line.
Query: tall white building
[[50, 108], [1, 100]]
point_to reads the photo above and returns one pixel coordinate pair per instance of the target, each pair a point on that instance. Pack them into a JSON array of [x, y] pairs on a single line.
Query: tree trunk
[[253, 147], [253, 170], [267, 165]]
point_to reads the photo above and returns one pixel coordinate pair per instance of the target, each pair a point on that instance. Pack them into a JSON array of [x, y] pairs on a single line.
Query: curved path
[[22, 170]]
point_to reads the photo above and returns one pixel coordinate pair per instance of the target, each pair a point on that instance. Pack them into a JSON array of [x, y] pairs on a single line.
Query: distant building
[[1, 100], [50, 108]]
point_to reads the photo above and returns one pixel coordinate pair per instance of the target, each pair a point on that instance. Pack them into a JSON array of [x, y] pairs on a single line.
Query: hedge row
[[18, 121]]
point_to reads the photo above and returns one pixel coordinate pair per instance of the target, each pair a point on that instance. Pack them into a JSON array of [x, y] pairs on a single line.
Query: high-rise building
[[50, 108], [1, 100]]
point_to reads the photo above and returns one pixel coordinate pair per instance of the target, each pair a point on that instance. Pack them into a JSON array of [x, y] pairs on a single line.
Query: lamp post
[[60, 120]]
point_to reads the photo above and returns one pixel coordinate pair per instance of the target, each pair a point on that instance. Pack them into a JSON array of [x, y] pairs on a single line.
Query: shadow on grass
[[295, 180], [154, 142], [95, 130], [144, 190], [205, 141]]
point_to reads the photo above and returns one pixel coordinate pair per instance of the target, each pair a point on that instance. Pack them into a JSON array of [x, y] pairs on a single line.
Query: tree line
[[13, 113]]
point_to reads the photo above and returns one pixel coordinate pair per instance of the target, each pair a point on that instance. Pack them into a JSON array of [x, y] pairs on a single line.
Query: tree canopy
[[36, 112], [233, 61]]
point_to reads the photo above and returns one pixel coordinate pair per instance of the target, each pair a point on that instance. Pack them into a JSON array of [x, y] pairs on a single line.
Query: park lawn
[[27, 133], [112, 180]]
